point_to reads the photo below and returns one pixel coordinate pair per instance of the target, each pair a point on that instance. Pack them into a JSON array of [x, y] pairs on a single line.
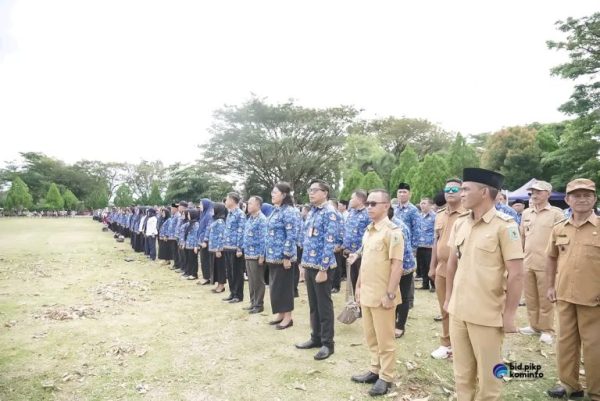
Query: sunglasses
[[372, 203], [451, 190]]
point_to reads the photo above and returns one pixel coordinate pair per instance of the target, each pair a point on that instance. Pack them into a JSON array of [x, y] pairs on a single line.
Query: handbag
[[351, 310]]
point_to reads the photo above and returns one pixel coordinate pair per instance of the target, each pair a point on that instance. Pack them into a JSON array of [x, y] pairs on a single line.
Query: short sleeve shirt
[[444, 221], [536, 227], [483, 246]]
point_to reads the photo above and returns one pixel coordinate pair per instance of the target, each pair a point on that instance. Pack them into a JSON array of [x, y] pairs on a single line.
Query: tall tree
[[141, 176], [429, 177], [278, 142], [582, 45], [371, 181], [352, 181], [515, 153], [97, 199], [54, 200], [408, 159], [111, 174], [123, 196], [18, 196], [71, 201], [154, 197], [461, 155], [193, 183]]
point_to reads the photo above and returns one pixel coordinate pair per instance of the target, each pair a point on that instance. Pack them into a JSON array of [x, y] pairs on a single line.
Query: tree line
[[255, 144]]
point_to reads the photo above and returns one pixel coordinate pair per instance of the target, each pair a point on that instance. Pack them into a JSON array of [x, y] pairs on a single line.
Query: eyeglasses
[[451, 190], [313, 190], [372, 203]]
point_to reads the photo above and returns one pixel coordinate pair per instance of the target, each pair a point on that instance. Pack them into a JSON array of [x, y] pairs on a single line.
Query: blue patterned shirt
[[409, 264], [426, 224], [181, 234], [410, 216], [281, 235], [177, 228], [191, 241], [215, 236], [320, 234], [164, 229], [255, 233], [354, 228], [234, 229], [508, 210]]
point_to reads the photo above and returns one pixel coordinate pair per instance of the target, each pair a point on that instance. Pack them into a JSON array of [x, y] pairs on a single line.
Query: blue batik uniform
[[409, 264], [164, 229], [234, 229], [255, 233], [181, 233], [354, 229], [426, 229], [215, 236], [339, 240], [282, 227], [410, 216], [191, 240], [320, 235], [509, 211]]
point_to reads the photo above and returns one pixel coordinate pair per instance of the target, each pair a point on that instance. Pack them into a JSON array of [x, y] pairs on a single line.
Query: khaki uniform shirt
[[536, 227], [444, 220], [482, 248], [382, 242], [578, 253]]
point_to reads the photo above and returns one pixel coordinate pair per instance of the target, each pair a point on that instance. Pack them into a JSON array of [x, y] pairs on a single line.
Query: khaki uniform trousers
[[378, 326], [440, 290], [540, 311], [579, 325], [476, 350]]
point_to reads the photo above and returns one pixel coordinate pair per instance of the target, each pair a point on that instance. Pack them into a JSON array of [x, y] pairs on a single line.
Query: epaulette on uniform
[[563, 221], [392, 225], [504, 216], [442, 209]]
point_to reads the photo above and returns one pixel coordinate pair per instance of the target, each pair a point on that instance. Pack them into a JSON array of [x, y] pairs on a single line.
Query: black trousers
[[205, 263], [354, 271], [172, 244], [182, 258], [423, 261], [402, 309], [191, 263], [235, 273], [217, 268], [281, 288], [133, 239], [320, 307], [337, 277]]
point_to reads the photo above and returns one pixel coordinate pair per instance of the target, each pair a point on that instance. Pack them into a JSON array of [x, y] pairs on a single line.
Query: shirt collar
[[379, 225], [459, 210], [321, 206], [592, 219], [547, 207], [487, 216]]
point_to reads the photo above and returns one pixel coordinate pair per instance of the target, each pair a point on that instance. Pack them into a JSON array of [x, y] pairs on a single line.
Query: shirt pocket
[[486, 251], [562, 243], [592, 248]]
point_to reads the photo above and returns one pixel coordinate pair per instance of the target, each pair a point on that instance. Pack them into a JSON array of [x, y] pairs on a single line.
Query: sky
[[126, 80]]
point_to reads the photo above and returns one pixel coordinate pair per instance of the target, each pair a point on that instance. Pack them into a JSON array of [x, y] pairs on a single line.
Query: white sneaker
[[442, 352], [528, 331], [546, 338]]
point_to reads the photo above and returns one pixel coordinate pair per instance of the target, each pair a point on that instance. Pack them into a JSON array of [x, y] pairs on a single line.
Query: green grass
[[191, 345]]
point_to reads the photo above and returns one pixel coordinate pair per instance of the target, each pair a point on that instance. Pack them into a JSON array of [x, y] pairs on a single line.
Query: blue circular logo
[[500, 370]]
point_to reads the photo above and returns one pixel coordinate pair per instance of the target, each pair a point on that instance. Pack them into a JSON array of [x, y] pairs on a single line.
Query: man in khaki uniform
[[444, 220], [481, 297], [573, 273], [378, 291], [536, 227]]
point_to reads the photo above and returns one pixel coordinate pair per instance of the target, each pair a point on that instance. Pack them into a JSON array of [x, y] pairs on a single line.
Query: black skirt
[[217, 269], [205, 263], [164, 250], [281, 288]]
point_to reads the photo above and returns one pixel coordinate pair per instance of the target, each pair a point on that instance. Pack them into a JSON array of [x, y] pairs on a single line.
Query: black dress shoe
[[380, 387], [308, 344], [282, 327], [229, 298], [561, 392], [335, 290], [368, 377], [274, 322], [438, 318], [234, 300], [218, 292], [257, 309], [324, 353]]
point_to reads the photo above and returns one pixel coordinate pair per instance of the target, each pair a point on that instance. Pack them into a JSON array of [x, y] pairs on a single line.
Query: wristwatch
[[391, 295]]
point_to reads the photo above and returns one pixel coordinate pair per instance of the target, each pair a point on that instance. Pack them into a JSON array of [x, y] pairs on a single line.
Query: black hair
[[219, 211], [194, 214], [235, 196], [258, 199], [286, 189], [454, 179], [361, 194], [322, 185]]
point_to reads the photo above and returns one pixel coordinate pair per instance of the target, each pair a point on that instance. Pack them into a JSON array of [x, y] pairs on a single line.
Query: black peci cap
[[404, 185], [483, 176]]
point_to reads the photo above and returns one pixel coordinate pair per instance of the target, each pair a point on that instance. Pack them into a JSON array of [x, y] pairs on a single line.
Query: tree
[[461, 155], [18, 197], [429, 177], [97, 199], [123, 196], [284, 142], [408, 159], [112, 174], [583, 47], [141, 176], [194, 183], [71, 201], [352, 181], [154, 197], [54, 200], [371, 181], [515, 153]]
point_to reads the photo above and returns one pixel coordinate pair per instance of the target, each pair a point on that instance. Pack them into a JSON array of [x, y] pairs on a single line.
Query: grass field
[[78, 322]]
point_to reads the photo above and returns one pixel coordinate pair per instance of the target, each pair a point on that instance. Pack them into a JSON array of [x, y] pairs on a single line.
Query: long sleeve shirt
[[410, 216], [234, 229], [255, 234], [354, 229], [215, 236], [426, 229], [281, 235], [181, 233], [151, 229], [320, 233], [191, 239], [409, 264]]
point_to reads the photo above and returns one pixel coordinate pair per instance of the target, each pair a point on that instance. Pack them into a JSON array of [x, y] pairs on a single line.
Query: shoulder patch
[[513, 233], [504, 216]]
